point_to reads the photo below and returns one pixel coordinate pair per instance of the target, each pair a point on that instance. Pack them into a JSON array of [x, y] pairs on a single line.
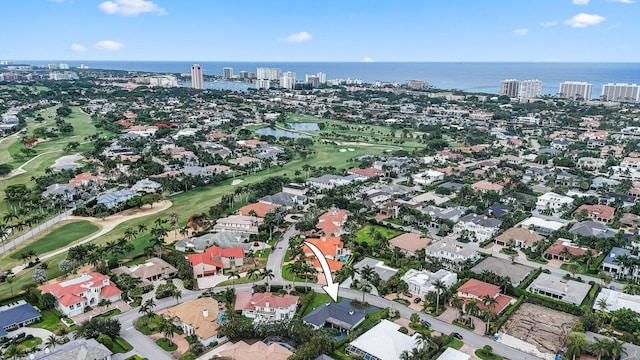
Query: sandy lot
[[544, 328]]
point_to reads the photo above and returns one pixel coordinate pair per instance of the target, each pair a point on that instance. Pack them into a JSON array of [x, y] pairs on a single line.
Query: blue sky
[[321, 30]]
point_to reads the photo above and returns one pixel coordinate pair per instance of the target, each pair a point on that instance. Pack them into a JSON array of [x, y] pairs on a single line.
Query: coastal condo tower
[[196, 77]]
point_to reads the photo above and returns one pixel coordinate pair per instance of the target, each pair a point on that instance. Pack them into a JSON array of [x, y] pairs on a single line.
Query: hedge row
[[506, 315]]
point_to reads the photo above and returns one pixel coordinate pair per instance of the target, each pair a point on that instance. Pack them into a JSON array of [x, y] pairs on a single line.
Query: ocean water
[[467, 76]]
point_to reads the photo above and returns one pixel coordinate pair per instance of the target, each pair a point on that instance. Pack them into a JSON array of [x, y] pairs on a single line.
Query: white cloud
[[367, 59], [58, 1], [109, 45], [549, 23], [622, 1], [77, 48], [130, 7], [302, 36], [583, 20], [580, 2], [521, 32]]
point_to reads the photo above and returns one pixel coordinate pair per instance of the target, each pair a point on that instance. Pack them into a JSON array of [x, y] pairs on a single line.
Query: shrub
[[403, 330], [105, 340]]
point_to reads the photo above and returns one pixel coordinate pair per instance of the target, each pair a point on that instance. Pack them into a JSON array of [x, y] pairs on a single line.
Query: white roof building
[[617, 300], [383, 342], [453, 354], [421, 281]]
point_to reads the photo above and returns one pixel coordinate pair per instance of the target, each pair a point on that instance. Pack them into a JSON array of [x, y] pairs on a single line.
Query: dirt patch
[[544, 328], [111, 221]]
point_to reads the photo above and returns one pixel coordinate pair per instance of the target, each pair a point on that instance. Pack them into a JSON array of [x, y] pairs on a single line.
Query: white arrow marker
[[331, 288]]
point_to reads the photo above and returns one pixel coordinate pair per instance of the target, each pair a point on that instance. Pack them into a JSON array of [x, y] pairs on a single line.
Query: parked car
[[407, 294], [456, 335], [426, 323], [417, 300], [19, 336], [7, 344]]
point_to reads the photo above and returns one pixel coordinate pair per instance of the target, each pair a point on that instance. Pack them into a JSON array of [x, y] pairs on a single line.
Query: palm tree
[[472, 308], [142, 228], [632, 289], [577, 344], [177, 294], [167, 328], [602, 304], [600, 348], [457, 303], [366, 273], [233, 275], [52, 341], [363, 285], [147, 307], [267, 274], [440, 286], [573, 268], [616, 348]]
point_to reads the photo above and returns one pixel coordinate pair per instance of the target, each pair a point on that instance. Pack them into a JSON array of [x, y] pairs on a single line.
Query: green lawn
[[121, 346], [319, 299], [242, 280], [454, 343], [362, 235], [58, 238], [50, 321], [29, 344], [287, 275], [147, 325], [166, 345], [479, 353]]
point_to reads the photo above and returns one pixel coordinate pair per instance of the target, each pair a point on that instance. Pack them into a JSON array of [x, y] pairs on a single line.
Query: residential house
[[477, 290], [561, 144], [384, 272], [603, 183], [503, 267], [552, 204], [225, 239], [328, 181], [77, 349], [616, 300], [367, 173], [566, 179], [600, 213], [554, 286], [382, 342], [266, 306], [453, 354], [427, 177], [592, 228], [195, 317], [256, 351], [87, 179], [258, 209], [409, 243], [16, 315], [450, 252], [478, 227], [242, 223], [151, 270], [331, 222], [332, 248], [340, 316], [618, 269], [438, 213], [557, 250], [146, 186], [542, 226], [591, 163], [112, 199], [295, 189], [522, 238], [59, 191], [214, 259], [534, 173], [617, 200], [245, 162], [285, 199], [421, 281], [74, 295], [485, 186]]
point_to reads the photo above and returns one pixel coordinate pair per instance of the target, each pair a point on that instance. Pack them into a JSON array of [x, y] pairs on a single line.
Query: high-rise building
[[227, 73], [243, 75], [288, 80], [575, 90], [163, 81], [312, 80], [263, 84], [197, 81], [509, 87], [621, 92], [322, 78], [264, 73], [530, 89]]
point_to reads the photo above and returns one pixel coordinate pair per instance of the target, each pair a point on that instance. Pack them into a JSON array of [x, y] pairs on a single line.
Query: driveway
[[37, 332], [449, 315]]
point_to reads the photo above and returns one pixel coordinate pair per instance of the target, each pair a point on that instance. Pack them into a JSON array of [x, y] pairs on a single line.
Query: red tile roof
[[326, 244], [261, 209], [479, 288], [601, 211], [332, 221], [261, 300], [557, 247], [209, 255], [67, 292], [368, 172]]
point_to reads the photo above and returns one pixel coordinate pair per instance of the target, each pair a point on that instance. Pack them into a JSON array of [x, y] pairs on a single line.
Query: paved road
[[276, 259]]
